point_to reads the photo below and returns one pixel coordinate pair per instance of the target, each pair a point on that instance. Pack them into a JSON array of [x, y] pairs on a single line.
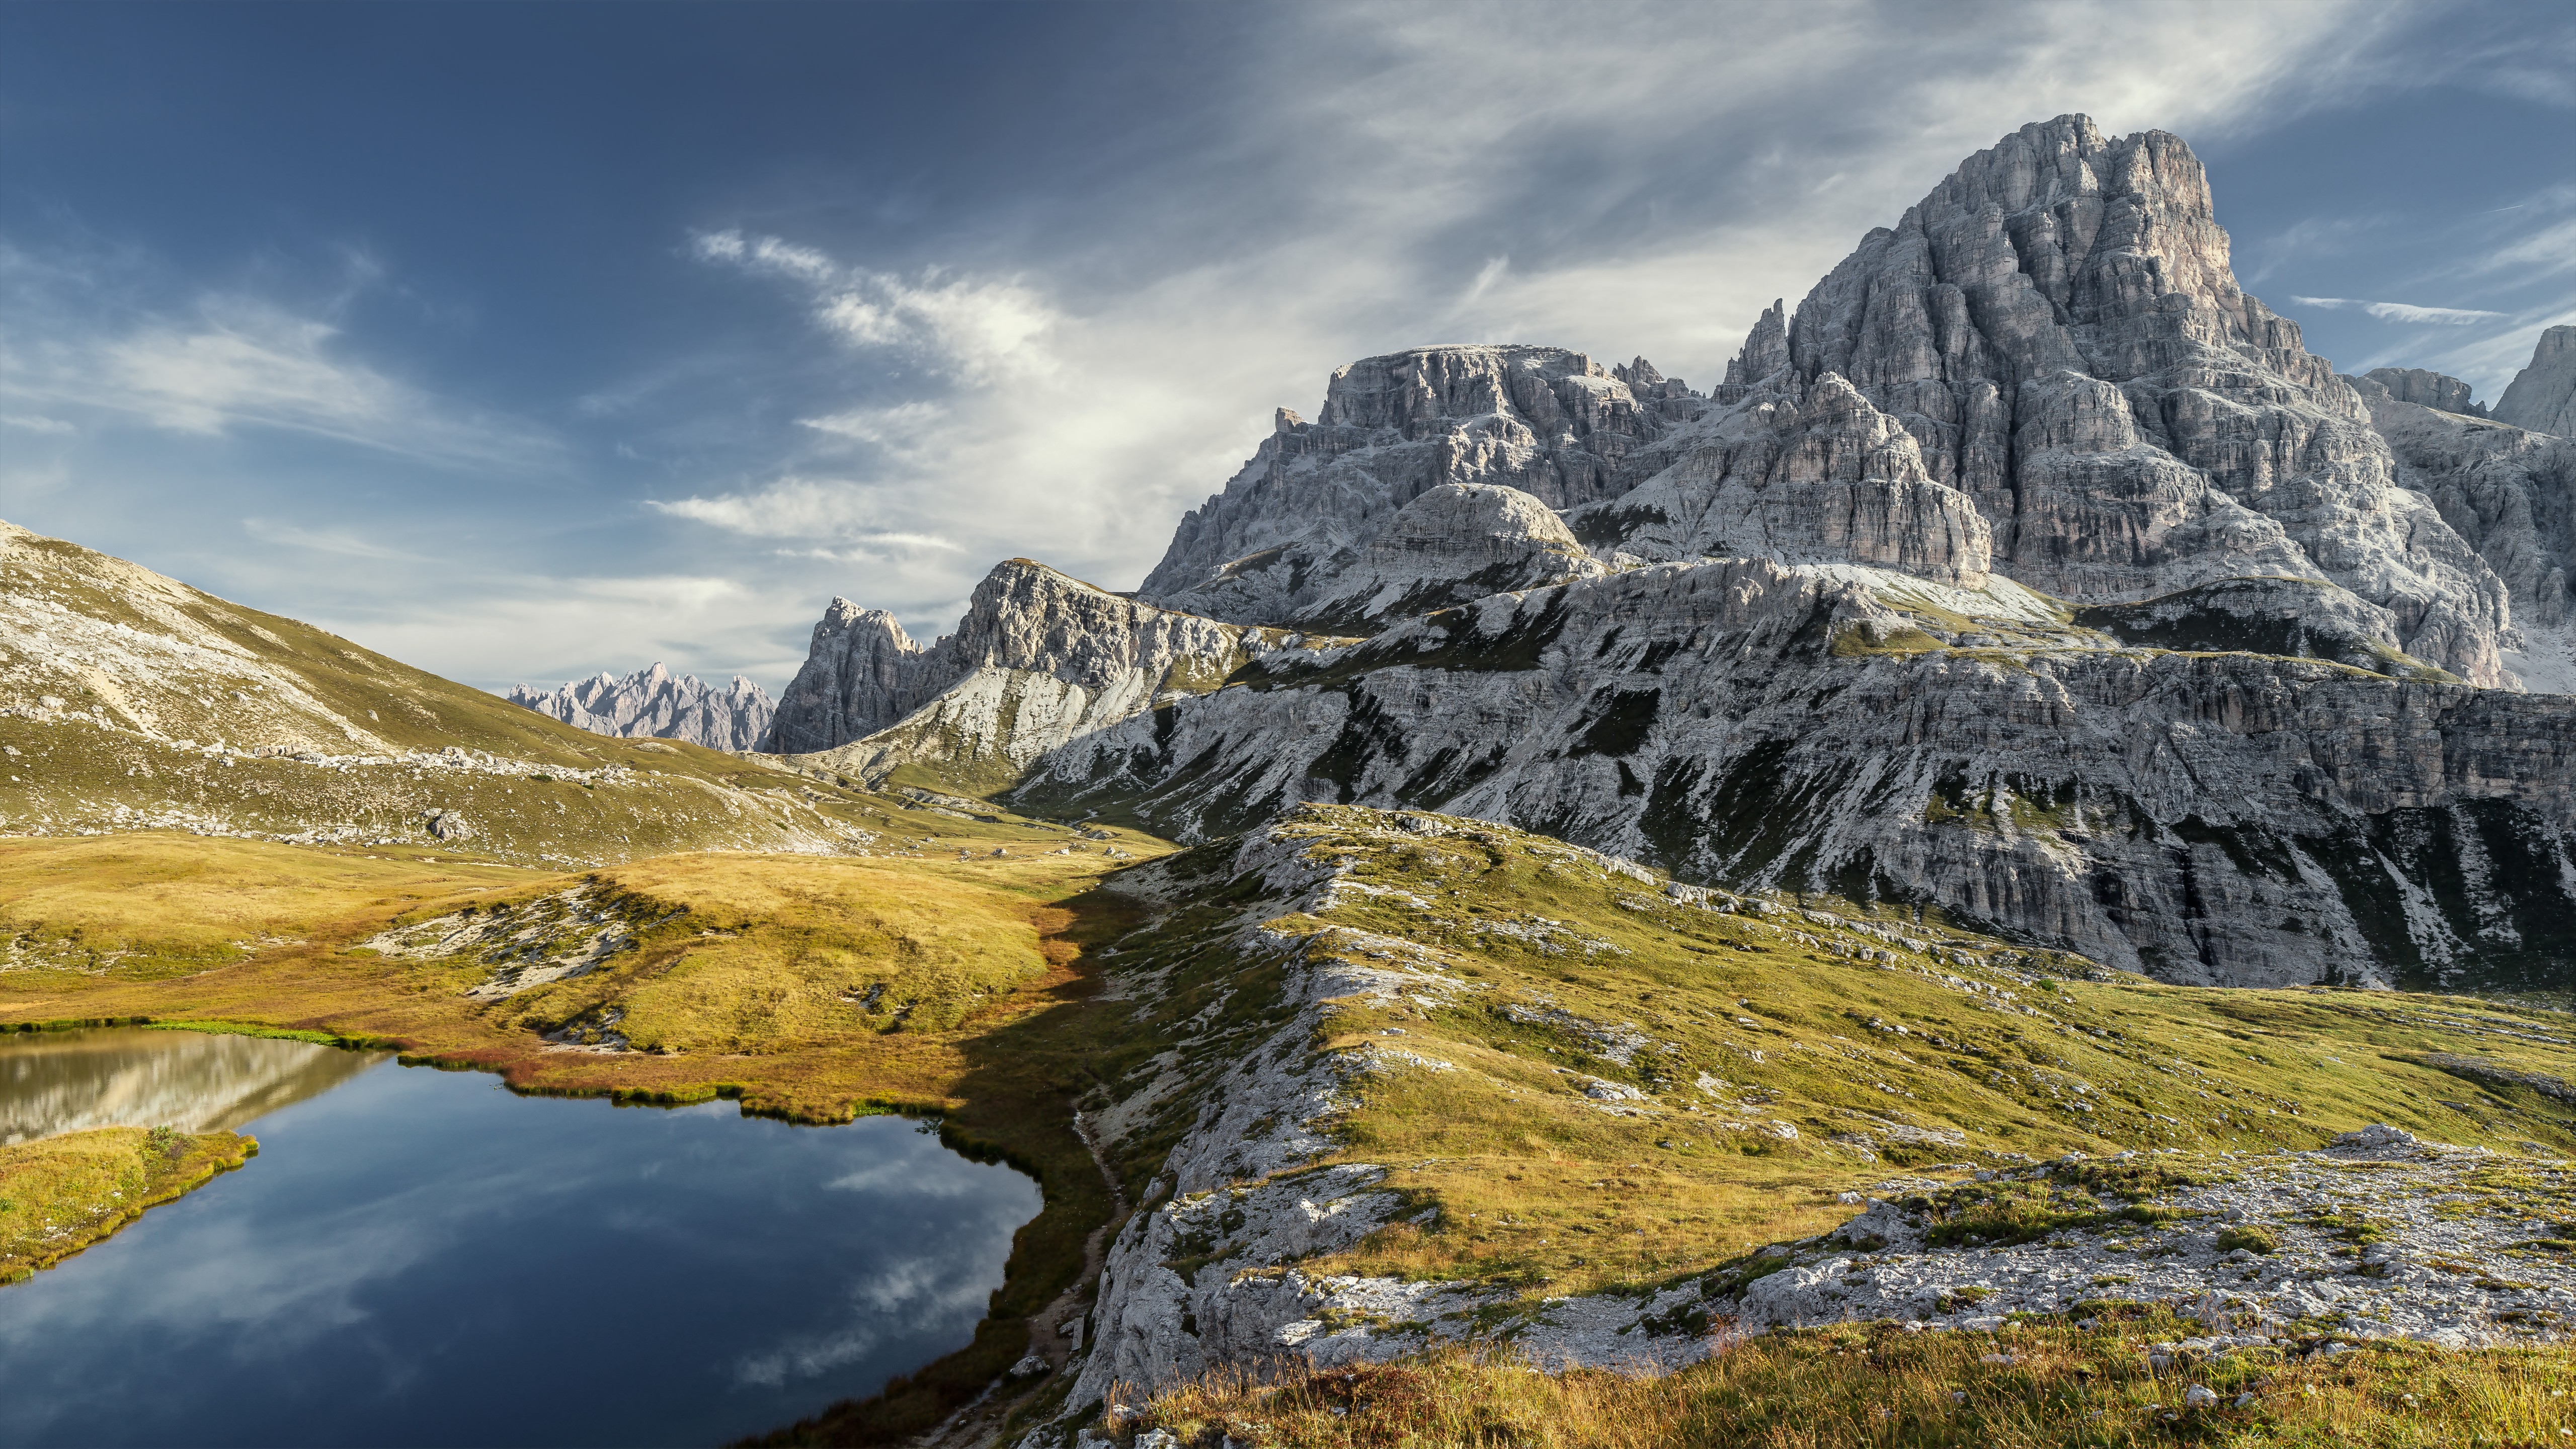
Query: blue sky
[[521, 342]]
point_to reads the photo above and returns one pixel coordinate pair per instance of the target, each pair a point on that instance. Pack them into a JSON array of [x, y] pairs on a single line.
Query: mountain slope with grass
[[1429, 1081], [129, 700]]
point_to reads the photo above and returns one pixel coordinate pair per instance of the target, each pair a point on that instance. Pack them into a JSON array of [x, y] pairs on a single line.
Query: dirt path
[[1055, 1331]]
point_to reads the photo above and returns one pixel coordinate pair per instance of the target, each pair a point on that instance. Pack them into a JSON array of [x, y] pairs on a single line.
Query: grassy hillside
[[131, 701]]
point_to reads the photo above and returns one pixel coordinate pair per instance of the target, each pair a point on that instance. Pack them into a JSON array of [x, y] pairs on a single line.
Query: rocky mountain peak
[[1766, 349], [2542, 397], [1544, 421], [2427, 390]]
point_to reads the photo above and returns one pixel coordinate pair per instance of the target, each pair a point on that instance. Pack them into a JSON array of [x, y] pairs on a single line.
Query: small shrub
[[2249, 1237]]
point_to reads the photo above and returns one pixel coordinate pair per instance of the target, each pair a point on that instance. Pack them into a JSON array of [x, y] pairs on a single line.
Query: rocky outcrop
[[1457, 543], [862, 672], [2428, 390], [1039, 659], [650, 704], [1802, 474], [2542, 397], [1542, 420], [2216, 818], [2511, 494]]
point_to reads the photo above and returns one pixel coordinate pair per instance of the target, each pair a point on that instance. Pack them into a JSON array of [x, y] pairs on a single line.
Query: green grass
[[60, 1194], [1964, 1054]]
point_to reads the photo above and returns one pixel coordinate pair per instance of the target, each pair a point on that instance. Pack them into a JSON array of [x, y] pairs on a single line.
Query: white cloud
[[226, 362], [29, 422], [2405, 312], [333, 541], [904, 427], [972, 329]]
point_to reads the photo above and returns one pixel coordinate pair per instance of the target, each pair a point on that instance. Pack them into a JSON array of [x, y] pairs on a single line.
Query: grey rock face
[[2294, 618], [2512, 494], [650, 704], [2209, 818], [1803, 474], [1455, 544], [2428, 390], [2542, 397], [1550, 423], [2058, 327], [861, 673]]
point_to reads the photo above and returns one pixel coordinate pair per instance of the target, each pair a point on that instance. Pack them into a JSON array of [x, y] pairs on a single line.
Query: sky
[[525, 341]]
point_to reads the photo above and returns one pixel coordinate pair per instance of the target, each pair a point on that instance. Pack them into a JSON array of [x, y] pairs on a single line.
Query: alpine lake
[[422, 1257]]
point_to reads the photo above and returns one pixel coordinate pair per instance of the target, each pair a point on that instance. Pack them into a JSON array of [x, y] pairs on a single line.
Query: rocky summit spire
[[1766, 350], [2542, 397], [2058, 325]]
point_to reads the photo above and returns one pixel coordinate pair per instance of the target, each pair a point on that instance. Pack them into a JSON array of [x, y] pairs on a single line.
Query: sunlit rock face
[[1541, 420], [2027, 569], [650, 704], [2542, 396], [1039, 658], [2425, 389], [2512, 494], [2058, 326]]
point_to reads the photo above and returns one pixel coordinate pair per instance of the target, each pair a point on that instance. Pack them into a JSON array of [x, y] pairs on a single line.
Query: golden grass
[[1556, 961], [1875, 1385], [156, 902], [60, 1194]]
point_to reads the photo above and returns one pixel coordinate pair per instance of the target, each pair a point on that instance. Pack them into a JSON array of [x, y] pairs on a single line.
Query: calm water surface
[[421, 1258]]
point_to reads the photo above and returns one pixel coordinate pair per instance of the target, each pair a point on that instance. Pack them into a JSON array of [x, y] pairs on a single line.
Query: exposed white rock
[[1039, 660], [2058, 326], [650, 704], [2430, 1271], [1548, 422], [2542, 397], [2228, 818], [2435, 390], [1455, 544], [2512, 494]]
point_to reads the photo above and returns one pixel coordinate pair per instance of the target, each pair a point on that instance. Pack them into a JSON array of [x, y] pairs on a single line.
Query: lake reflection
[[421, 1258], [65, 1081]]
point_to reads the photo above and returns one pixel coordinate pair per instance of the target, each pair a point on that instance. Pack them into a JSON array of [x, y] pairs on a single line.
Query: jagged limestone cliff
[[2542, 396], [1039, 660], [1308, 506]]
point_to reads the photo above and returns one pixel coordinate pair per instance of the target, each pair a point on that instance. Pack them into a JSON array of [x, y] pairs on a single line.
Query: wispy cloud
[[225, 362], [331, 541], [974, 329], [2406, 312]]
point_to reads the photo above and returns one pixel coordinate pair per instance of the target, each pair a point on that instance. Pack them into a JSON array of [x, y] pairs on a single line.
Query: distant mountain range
[[650, 704]]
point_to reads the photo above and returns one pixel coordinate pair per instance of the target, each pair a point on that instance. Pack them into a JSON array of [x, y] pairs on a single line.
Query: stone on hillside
[[2542, 396], [650, 704]]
